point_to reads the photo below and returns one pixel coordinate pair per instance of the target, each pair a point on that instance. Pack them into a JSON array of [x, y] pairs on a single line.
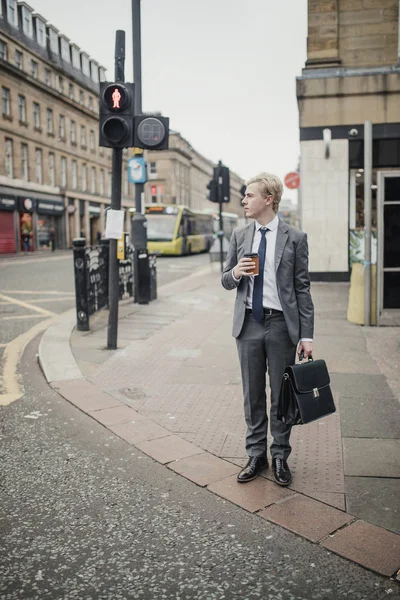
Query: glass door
[[388, 301]]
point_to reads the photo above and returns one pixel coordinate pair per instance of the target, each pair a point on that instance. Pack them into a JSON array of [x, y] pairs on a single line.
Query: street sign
[[137, 170], [292, 180]]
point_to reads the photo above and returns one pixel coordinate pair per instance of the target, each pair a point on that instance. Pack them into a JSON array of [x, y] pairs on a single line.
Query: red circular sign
[[292, 180]]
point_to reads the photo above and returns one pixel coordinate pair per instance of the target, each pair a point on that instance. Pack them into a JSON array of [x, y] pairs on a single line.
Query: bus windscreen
[[160, 227]]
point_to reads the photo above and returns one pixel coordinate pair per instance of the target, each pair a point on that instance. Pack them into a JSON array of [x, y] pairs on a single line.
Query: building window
[[74, 175], [41, 33], [60, 84], [12, 12], [9, 159], [34, 69], [153, 168], [53, 41], [52, 169], [38, 165], [83, 136], [48, 77], [50, 121], [126, 182], [36, 115], [24, 162], [73, 133], [94, 69], [6, 102], [102, 73], [102, 182], [19, 60], [61, 127], [84, 178], [65, 51], [22, 109], [63, 182], [71, 92], [92, 140], [3, 50], [76, 62], [90, 103], [81, 98], [93, 180], [85, 65], [27, 22], [109, 184]]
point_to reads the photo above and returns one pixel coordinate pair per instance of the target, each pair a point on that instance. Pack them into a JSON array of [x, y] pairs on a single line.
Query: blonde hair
[[270, 185]]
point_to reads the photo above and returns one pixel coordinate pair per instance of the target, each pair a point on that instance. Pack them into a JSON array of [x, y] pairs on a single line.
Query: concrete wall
[[324, 189]]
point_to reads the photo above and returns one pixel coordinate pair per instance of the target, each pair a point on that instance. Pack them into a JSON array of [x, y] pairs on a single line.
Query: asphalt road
[[85, 516], [38, 286]]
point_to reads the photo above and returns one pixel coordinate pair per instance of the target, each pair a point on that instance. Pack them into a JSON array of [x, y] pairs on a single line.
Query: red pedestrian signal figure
[[116, 98]]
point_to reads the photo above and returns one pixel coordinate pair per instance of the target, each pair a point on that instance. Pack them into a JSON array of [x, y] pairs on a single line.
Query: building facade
[[180, 175], [53, 175], [352, 75]]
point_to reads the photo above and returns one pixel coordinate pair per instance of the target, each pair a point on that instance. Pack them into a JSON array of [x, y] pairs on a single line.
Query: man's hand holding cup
[[248, 265]]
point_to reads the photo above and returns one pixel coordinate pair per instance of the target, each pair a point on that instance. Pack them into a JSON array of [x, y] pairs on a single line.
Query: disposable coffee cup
[[254, 258]]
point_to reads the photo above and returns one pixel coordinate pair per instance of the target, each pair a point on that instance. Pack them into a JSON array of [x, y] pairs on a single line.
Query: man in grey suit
[[273, 314]]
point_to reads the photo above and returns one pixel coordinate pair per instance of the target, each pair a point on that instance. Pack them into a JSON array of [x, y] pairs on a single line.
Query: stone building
[[180, 175], [352, 75], [53, 174]]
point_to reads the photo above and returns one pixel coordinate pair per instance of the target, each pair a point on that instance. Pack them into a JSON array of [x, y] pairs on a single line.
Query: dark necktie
[[257, 308]]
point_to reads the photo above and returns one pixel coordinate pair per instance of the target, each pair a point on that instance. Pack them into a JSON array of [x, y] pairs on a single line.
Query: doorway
[[388, 288]]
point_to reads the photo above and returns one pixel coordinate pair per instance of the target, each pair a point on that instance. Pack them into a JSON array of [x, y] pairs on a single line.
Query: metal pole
[[367, 219], [221, 225], [139, 225], [113, 284]]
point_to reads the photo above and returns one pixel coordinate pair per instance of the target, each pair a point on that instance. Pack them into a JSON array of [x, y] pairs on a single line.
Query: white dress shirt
[[270, 291]]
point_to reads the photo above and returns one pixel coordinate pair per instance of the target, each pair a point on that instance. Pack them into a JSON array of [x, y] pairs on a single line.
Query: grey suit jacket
[[292, 278]]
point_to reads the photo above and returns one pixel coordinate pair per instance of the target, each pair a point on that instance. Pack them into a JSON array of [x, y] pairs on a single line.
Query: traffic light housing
[[116, 115], [212, 194], [219, 186], [225, 185], [151, 132]]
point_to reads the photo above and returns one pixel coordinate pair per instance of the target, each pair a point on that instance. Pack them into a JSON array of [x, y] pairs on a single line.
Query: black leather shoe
[[252, 469], [282, 472]]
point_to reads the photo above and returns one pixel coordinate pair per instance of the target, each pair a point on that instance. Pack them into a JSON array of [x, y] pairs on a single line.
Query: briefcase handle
[[301, 357]]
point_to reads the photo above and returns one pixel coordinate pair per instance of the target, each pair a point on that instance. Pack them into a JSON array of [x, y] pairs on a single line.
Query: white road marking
[[62, 299], [27, 292], [15, 317], [38, 309], [12, 356], [15, 262]]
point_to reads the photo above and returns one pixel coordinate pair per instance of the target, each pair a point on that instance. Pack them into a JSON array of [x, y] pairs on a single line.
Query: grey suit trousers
[[263, 347]]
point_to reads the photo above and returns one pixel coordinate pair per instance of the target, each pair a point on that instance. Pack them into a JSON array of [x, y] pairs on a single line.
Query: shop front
[[30, 222], [8, 225]]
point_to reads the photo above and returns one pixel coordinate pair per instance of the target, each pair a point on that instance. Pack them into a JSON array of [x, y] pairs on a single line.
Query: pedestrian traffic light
[[151, 132], [116, 115]]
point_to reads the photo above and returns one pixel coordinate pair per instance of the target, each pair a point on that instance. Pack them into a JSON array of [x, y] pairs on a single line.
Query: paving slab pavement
[[173, 390]]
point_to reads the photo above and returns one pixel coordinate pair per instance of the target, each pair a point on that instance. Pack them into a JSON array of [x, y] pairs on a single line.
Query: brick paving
[[173, 390]]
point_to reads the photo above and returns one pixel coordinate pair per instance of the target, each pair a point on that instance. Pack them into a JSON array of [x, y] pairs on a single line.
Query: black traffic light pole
[[139, 221], [221, 225], [113, 290]]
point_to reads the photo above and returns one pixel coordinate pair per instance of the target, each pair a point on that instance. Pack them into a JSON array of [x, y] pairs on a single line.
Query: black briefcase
[[305, 393]]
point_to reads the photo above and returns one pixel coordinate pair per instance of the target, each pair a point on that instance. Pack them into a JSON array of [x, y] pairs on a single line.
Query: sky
[[224, 71]]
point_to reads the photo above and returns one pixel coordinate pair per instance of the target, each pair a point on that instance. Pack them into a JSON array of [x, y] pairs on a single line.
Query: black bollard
[[81, 284]]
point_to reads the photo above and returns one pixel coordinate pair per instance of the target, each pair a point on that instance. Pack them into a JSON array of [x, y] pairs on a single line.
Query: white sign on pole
[[115, 224]]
